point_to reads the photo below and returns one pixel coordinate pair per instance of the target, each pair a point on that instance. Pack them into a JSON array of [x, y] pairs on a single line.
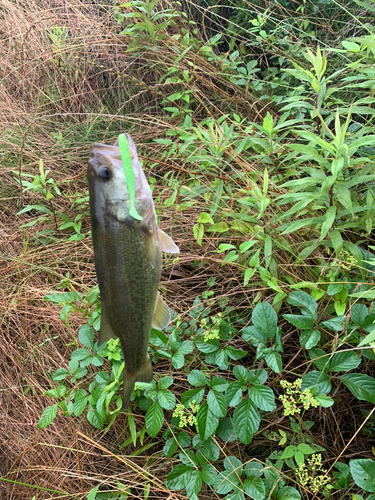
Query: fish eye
[[104, 173]]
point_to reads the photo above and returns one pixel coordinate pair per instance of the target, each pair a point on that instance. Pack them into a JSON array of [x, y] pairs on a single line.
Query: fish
[[128, 259]]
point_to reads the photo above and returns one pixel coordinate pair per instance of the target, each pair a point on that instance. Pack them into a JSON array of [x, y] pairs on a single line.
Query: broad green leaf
[[273, 360], [309, 338], [337, 241], [154, 419], [216, 403], [165, 382], [209, 474], [233, 394], [368, 339], [334, 324], [345, 361], [316, 379], [166, 399], [48, 416], [360, 385], [265, 319], [324, 401], [79, 405], [254, 469], [299, 321], [359, 313], [288, 493], [170, 447], [178, 478], [178, 360], [255, 488], [329, 220], [305, 449], [80, 354], [210, 450], [95, 418], [263, 397], [192, 395], [207, 422], [299, 457], [234, 353], [305, 302], [60, 374], [194, 484], [219, 384], [320, 359], [225, 430], [289, 451], [197, 378], [240, 373], [363, 472], [92, 494], [246, 420], [86, 336]]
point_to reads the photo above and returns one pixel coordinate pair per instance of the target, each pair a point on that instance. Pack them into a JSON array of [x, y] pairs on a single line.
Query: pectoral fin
[[106, 331], [166, 243], [162, 314], [151, 250], [143, 375]]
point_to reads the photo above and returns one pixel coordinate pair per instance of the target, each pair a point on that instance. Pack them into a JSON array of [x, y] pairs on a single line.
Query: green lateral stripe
[[127, 165]]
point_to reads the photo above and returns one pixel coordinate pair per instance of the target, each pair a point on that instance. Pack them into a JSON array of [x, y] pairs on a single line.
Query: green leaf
[[211, 450], [92, 494], [288, 493], [320, 359], [305, 302], [209, 474], [79, 405], [48, 416], [219, 383], [80, 354], [194, 485], [178, 360], [309, 338], [345, 361], [178, 478], [205, 218], [363, 472], [154, 419], [264, 319], [359, 313], [240, 373], [305, 449], [299, 457], [165, 382], [324, 401], [254, 469], [216, 403], [234, 353], [299, 321], [95, 418], [316, 379], [262, 397], [170, 447], [246, 420], [233, 393], [166, 399], [192, 395], [361, 386], [329, 220], [334, 324], [273, 360], [207, 422], [60, 374], [197, 378], [255, 488], [86, 336]]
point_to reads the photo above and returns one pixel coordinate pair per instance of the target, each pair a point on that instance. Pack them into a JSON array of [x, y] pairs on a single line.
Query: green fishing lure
[[129, 174]]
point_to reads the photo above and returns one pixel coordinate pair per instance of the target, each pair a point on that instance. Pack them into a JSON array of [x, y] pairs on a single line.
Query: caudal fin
[[143, 375]]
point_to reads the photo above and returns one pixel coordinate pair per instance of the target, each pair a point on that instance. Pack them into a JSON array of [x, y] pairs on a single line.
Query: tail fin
[[143, 375]]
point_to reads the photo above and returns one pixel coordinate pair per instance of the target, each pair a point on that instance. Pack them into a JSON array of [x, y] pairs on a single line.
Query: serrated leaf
[[300, 321], [305, 302], [309, 338], [345, 361], [233, 394], [209, 474], [86, 336], [324, 401], [360, 385], [234, 353], [316, 379], [154, 419], [225, 430], [95, 418], [254, 469], [207, 422], [166, 399], [48, 416], [264, 318], [262, 397], [197, 378], [211, 450], [363, 472], [192, 395], [246, 420], [240, 373], [165, 382], [320, 359], [216, 403], [178, 360], [273, 360], [178, 478], [79, 405], [80, 354], [219, 383], [255, 488], [288, 493], [60, 374], [194, 484]]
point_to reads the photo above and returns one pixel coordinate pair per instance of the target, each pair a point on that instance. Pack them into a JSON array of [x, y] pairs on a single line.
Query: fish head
[[108, 187]]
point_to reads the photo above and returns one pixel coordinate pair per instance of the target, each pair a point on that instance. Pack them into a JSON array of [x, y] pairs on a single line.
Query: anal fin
[[162, 314], [106, 331]]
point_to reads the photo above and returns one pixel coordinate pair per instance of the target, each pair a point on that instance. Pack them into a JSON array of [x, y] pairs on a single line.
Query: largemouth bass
[[128, 259]]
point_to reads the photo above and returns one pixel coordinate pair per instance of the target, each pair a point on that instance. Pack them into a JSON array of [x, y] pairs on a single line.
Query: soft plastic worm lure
[[129, 174]]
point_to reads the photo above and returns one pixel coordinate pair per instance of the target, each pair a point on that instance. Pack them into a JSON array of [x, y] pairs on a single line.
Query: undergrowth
[[255, 129]]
